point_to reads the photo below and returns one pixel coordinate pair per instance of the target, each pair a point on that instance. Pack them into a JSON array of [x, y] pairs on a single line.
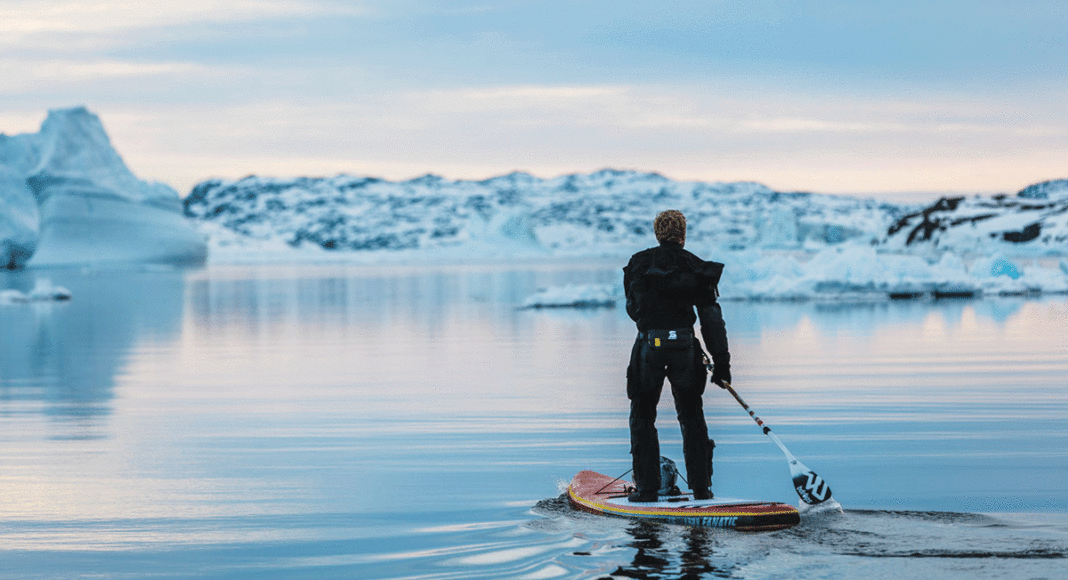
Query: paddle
[[810, 487]]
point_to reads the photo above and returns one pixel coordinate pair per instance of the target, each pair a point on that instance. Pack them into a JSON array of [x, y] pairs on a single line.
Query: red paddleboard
[[601, 494]]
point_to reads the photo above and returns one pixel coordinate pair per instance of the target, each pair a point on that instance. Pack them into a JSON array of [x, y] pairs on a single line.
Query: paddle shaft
[[767, 430], [810, 487]]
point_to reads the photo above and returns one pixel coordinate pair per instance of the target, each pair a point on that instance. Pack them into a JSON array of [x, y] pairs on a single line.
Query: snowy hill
[[607, 213], [1034, 221], [68, 199], [776, 245]]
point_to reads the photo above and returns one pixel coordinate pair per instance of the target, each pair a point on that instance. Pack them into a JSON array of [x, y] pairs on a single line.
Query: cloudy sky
[[851, 96]]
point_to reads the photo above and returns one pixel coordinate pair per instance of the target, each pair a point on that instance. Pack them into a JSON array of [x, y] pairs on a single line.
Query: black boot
[[702, 494], [642, 497]]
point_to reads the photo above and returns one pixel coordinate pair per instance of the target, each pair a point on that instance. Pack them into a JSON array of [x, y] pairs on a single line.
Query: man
[[664, 285]]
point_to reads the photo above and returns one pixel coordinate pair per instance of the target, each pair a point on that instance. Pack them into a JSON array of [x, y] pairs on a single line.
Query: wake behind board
[[600, 494]]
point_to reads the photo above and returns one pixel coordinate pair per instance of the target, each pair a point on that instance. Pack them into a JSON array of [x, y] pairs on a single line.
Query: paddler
[[664, 287]]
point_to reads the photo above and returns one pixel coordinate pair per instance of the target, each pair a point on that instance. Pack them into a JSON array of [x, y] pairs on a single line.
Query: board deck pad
[[601, 494]]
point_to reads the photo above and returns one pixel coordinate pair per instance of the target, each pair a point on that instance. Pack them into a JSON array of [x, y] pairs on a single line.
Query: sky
[[899, 100]]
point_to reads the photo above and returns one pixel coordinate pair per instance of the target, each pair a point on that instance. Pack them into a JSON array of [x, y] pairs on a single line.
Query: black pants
[[683, 369]]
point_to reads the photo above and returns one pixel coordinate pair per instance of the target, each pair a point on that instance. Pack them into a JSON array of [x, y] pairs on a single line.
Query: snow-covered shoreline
[[777, 246], [68, 200]]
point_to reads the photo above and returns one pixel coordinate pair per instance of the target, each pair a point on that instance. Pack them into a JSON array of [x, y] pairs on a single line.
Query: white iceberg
[[68, 199], [19, 215], [850, 272], [575, 296], [43, 291]]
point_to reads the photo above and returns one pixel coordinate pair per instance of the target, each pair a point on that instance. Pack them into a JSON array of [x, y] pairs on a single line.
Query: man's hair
[[670, 226]]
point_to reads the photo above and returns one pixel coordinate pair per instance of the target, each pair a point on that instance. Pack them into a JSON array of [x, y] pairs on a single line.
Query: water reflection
[[430, 298], [868, 318], [663, 553], [385, 325], [61, 359], [435, 299]]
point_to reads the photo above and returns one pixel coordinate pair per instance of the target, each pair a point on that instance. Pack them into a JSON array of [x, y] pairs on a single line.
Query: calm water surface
[[355, 422]]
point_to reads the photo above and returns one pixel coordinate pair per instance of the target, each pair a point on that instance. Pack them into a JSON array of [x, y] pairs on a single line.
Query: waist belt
[[679, 338]]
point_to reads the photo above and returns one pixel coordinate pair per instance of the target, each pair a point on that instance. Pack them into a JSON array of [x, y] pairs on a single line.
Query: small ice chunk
[[573, 296]]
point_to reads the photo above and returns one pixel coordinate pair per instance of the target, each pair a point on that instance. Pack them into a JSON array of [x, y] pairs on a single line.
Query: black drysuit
[[664, 285]]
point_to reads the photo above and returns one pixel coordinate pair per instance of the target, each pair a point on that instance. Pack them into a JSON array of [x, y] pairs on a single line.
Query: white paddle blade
[[810, 487]]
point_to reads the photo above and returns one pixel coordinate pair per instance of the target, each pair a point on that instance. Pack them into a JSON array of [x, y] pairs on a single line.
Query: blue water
[[373, 422]]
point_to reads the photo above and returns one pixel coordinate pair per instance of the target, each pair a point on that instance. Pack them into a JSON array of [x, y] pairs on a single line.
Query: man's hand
[[721, 369]]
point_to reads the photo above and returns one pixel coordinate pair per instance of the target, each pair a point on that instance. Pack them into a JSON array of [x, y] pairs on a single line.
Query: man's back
[[663, 284]]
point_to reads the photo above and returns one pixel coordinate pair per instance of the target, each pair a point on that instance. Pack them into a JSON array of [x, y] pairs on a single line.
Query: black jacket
[[665, 284]]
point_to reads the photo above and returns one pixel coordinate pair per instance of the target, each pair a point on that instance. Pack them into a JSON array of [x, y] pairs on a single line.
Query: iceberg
[[43, 291], [575, 296], [867, 273], [68, 199], [854, 273], [19, 215]]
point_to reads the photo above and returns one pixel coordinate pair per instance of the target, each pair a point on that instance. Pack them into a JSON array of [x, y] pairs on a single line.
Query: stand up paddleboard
[[601, 494]]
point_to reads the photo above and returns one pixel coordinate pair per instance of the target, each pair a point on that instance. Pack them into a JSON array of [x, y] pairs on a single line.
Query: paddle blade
[[809, 486]]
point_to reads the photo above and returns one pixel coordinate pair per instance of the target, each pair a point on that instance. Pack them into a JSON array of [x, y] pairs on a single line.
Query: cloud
[[23, 21], [18, 75], [618, 108]]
